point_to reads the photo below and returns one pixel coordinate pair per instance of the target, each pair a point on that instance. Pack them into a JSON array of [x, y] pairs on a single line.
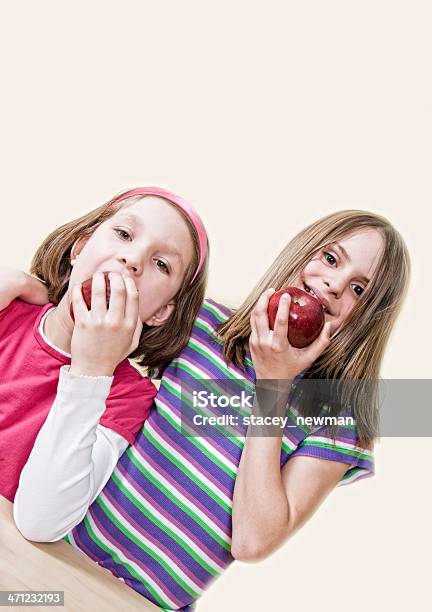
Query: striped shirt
[[162, 524]]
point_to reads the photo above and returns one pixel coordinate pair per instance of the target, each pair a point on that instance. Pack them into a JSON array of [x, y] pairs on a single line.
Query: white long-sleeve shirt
[[71, 461]]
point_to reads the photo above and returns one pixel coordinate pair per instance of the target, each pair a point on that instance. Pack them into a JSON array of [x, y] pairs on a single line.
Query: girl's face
[[149, 241], [340, 273]]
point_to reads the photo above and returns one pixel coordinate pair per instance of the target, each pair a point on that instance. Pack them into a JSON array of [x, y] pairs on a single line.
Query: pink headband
[[190, 212]]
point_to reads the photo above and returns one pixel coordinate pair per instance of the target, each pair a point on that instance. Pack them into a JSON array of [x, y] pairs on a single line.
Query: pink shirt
[[29, 373]]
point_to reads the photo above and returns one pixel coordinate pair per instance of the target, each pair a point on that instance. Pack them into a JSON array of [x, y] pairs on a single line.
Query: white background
[[265, 115]]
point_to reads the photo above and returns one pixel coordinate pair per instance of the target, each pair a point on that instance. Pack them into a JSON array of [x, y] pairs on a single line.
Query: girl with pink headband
[[154, 246]]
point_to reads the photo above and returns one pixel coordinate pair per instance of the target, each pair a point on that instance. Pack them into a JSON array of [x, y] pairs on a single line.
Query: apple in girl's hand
[[305, 319], [86, 288]]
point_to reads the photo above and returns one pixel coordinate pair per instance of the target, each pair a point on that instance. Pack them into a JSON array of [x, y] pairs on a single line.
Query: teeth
[[312, 293], [309, 290]]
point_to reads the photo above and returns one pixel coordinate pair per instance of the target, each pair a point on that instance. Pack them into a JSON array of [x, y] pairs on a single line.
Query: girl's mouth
[[308, 290]]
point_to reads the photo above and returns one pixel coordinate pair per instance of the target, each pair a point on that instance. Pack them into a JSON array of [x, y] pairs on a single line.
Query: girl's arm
[[73, 456], [17, 284], [269, 504], [71, 461]]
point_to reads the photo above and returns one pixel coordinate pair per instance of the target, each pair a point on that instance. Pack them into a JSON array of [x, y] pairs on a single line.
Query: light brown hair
[[357, 349], [157, 345]]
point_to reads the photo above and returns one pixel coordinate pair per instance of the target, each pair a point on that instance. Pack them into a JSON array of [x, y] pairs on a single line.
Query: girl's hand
[[17, 284], [102, 336], [272, 354]]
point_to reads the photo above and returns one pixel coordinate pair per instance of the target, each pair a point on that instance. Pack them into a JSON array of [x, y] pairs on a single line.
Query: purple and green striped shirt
[[162, 524]]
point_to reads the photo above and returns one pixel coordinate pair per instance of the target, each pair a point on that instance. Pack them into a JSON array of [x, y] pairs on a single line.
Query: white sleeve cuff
[[83, 385]]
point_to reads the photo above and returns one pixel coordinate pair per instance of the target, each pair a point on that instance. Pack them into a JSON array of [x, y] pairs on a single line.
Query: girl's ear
[[161, 315], [77, 247]]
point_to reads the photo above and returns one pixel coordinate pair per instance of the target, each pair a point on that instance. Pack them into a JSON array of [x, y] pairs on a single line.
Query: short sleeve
[[344, 447], [128, 405]]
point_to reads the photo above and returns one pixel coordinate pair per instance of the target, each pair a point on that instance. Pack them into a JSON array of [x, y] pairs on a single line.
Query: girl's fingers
[[79, 306], [137, 334], [98, 293], [321, 343], [280, 331], [132, 301], [260, 314], [325, 334], [117, 303]]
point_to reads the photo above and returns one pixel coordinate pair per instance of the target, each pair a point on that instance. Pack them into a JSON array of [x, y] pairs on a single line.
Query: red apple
[[305, 319], [86, 293]]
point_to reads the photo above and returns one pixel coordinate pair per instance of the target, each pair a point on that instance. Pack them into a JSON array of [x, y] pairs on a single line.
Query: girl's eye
[[330, 255], [162, 266], [123, 234], [358, 287]]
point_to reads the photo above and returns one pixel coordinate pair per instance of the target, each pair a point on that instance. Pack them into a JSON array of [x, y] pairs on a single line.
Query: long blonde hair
[[157, 345], [356, 351]]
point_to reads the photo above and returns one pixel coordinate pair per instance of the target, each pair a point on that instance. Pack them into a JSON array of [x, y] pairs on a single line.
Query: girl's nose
[[330, 287], [336, 284], [132, 264]]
